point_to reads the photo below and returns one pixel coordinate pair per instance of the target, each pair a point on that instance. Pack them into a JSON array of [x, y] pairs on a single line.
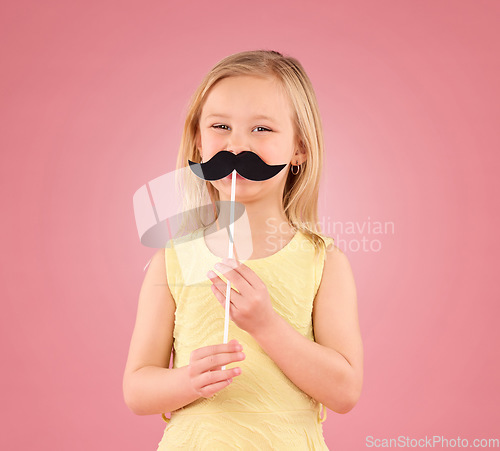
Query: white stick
[[230, 252]]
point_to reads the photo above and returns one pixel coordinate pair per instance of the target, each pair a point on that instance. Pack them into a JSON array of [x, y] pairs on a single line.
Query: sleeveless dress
[[261, 409]]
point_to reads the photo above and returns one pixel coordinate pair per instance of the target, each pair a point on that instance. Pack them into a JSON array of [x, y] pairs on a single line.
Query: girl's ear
[[198, 139], [300, 153]]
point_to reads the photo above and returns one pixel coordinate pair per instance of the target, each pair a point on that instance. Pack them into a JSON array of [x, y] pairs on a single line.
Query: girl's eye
[[225, 127]]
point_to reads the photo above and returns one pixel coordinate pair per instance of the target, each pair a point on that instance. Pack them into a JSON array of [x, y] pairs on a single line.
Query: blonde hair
[[300, 195]]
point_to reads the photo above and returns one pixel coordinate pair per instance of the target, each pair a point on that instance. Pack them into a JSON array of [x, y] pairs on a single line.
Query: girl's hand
[[251, 308], [205, 367]]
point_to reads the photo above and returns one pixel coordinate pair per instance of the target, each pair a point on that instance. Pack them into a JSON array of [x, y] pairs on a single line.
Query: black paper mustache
[[248, 164]]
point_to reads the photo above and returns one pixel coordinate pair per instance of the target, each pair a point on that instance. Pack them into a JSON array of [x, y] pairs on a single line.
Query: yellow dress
[[261, 409]]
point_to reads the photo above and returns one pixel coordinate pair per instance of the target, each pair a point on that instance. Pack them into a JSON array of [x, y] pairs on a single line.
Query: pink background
[[93, 97]]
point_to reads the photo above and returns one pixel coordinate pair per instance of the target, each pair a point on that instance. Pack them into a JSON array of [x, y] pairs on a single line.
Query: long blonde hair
[[300, 195]]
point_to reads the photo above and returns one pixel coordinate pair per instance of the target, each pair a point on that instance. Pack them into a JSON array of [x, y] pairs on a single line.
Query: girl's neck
[[261, 231], [263, 220]]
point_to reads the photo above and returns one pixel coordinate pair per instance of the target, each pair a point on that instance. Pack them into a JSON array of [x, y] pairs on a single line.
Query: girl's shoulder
[[328, 240], [318, 242]]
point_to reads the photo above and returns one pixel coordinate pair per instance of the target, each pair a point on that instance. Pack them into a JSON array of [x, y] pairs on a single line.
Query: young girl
[[295, 343]]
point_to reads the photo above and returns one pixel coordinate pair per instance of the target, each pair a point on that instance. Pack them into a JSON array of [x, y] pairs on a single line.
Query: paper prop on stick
[[250, 166]]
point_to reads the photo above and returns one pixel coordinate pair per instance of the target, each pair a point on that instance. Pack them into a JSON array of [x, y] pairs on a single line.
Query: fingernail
[[211, 274], [218, 266]]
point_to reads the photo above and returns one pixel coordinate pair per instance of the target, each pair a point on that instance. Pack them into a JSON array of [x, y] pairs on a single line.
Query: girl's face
[[249, 113]]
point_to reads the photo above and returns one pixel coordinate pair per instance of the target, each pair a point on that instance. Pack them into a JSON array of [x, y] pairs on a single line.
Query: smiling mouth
[[238, 177]]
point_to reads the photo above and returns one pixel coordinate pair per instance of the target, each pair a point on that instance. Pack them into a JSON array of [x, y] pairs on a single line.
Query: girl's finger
[[232, 346], [219, 283], [234, 276], [210, 390], [214, 377], [213, 276], [221, 297], [245, 272], [221, 287]]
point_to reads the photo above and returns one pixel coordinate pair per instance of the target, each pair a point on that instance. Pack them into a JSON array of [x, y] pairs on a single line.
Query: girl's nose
[[236, 151], [237, 143]]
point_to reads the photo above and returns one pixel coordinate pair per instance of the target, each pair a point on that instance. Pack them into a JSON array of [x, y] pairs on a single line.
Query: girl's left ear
[[300, 154]]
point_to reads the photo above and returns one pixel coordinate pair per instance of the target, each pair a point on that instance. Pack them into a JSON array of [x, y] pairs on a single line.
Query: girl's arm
[[330, 369], [149, 386]]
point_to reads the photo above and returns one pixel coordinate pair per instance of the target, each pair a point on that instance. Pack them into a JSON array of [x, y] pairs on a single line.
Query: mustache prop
[[248, 164]]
